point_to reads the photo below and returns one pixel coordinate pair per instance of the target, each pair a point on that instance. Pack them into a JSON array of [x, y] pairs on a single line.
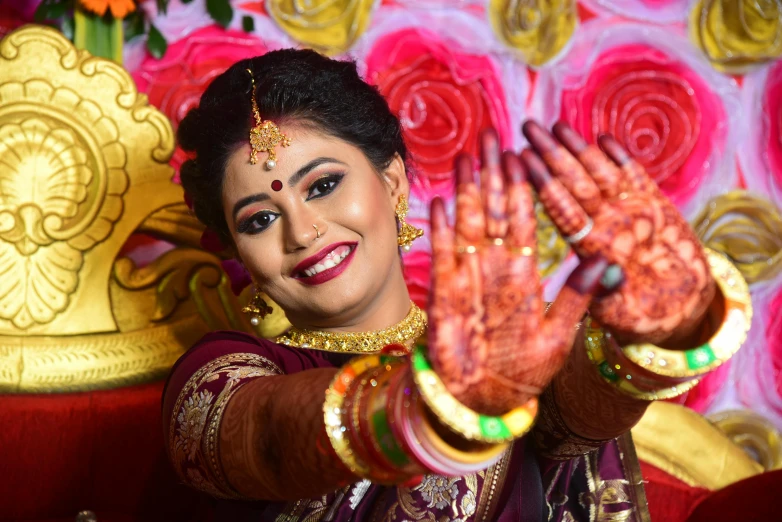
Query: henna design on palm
[[667, 285], [491, 341]]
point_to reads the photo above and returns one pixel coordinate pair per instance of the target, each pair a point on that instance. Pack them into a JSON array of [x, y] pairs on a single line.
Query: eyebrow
[[292, 181]]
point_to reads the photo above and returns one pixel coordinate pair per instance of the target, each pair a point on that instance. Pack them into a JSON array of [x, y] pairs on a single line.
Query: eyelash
[[331, 180]]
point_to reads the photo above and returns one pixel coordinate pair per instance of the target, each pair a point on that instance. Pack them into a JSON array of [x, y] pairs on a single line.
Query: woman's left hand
[[667, 284]]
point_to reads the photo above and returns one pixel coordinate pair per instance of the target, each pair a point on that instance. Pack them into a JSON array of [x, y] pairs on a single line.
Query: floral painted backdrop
[[692, 88]]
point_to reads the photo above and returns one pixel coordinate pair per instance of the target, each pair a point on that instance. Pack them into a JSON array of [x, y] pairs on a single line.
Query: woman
[[300, 166]]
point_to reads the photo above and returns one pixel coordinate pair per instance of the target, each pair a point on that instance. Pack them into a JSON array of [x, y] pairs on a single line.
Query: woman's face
[[353, 268]]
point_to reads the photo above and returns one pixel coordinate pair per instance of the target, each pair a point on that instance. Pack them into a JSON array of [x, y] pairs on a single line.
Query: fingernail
[[490, 148], [613, 149], [590, 273], [464, 169], [569, 137], [538, 137], [514, 170], [536, 169], [612, 278]]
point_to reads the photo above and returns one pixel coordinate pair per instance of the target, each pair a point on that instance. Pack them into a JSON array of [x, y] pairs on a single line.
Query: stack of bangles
[[385, 417], [649, 372]]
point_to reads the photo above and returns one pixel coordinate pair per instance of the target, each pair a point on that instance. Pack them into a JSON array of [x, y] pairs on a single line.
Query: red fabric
[[752, 500], [100, 450], [670, 499]]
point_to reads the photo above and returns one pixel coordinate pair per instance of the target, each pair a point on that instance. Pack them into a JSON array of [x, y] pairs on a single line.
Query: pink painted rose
[[774, 341], [180, 18], [666, 106], [417, 266], [444, 96], [175, 83], [657, 11], [761, 151]]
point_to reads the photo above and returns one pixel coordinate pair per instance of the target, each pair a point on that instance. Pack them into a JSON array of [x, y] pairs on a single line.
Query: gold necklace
[[405, 333]]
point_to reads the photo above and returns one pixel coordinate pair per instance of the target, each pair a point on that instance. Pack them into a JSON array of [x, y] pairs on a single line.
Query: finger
[[607, 175], [492, 186], [443, 259], [521, 207], [636, 178], [470, 222], [560, 205], [569, 307], [564, 167]]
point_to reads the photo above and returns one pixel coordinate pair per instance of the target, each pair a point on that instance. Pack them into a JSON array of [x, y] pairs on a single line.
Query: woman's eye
[[257, 223], [324, 186]]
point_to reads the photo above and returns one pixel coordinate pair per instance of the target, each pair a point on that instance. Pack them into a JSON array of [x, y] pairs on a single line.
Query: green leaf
[[162, 6], [186, 1], [220, 11], [248, 24], [50, 10], [156, 44], [134, 25]]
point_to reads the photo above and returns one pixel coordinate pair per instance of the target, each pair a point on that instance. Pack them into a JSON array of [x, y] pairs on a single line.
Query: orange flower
[[119, 8]]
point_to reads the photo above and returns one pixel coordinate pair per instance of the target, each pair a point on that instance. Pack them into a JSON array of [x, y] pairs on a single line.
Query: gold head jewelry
[[407, 232], [257, 308], [405, 333], [265, 135]]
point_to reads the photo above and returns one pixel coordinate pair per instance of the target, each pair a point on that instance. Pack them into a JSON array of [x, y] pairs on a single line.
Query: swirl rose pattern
[[175, 83], [443, 98]]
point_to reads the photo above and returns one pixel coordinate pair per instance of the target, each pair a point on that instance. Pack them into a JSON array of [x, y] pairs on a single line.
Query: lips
[[326, 264]]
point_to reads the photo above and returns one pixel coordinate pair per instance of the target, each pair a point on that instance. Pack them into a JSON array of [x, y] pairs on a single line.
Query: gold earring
[[257, 307], [407, 232]]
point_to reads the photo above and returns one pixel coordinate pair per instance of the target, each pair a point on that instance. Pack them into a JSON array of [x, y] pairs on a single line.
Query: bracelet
[[333, 409], [424, 444], [726, 341], [595, 342], [358, 433], [463, 420]]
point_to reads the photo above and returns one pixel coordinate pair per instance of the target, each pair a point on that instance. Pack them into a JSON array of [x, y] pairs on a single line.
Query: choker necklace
[[405, 333]]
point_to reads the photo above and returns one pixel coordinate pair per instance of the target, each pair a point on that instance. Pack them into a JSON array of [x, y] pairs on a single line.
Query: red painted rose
[[443, 97]]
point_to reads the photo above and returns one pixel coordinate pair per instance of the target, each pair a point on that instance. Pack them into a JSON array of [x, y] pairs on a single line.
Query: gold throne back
[[83, 166]]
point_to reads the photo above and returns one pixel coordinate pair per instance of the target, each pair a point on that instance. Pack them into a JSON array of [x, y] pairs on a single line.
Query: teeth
[[331, 261]]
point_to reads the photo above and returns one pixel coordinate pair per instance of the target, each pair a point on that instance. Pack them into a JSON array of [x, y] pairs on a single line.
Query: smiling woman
[[368, 410]]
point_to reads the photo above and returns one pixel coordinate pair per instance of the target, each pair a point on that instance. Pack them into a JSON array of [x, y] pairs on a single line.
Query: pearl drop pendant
[[254, 320], [270, 164]]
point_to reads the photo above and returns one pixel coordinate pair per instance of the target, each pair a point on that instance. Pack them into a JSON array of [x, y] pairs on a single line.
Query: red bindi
[[276, 185]]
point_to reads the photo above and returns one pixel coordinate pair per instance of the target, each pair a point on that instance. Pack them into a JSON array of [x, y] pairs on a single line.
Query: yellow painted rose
[[737, 34], [539, 29], [331, 26]]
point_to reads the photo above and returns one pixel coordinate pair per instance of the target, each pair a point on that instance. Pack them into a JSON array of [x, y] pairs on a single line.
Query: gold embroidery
[[604, 493], [195, 421], [494, 481]]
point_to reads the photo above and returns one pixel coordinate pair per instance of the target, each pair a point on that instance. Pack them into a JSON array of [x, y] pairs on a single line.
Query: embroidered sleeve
[[552, 436], [193, 436]]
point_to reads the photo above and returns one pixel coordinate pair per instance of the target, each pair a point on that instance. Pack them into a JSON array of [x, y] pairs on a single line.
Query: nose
[[302, 228]]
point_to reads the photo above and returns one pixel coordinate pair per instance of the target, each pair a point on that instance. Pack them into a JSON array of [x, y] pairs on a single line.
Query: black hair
[[290, 84]]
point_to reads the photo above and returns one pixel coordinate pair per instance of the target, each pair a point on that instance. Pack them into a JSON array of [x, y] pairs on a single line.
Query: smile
[[326, 264]]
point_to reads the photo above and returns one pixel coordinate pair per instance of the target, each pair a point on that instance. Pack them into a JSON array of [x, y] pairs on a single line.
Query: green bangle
[[595, 339], [731, 334], [461, 419]]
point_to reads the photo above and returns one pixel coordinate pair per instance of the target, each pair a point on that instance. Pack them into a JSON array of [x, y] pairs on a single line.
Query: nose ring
[[316, 231]]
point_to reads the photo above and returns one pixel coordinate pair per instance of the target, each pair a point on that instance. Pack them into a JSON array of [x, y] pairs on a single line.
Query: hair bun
[[189, 131]]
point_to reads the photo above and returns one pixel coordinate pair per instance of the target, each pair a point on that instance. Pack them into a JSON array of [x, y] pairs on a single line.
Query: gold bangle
[[595, 339], [333, 411], [462, 420], [696, 362]]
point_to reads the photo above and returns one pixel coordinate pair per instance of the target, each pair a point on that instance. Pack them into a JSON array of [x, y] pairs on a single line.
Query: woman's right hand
[[491, 340]]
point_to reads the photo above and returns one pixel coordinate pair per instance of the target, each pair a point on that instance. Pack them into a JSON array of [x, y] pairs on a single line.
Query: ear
[[395, 177]]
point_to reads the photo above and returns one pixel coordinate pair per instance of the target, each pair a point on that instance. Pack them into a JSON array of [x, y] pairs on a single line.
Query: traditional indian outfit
[[523, 485]]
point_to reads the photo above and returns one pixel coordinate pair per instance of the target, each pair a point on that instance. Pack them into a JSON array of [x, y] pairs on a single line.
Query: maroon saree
[[521, 486]]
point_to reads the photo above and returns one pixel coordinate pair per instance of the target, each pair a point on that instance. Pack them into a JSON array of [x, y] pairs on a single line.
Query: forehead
[[307, 143]]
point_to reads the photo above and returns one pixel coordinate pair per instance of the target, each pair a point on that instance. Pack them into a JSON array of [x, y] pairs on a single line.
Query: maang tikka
[[265, 135]]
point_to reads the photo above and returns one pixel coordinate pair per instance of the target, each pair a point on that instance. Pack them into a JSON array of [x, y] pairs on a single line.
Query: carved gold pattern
[[753, 433], [83, 165]]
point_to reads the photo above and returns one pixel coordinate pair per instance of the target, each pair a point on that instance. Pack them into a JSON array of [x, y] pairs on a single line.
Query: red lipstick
[[329, 273]]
